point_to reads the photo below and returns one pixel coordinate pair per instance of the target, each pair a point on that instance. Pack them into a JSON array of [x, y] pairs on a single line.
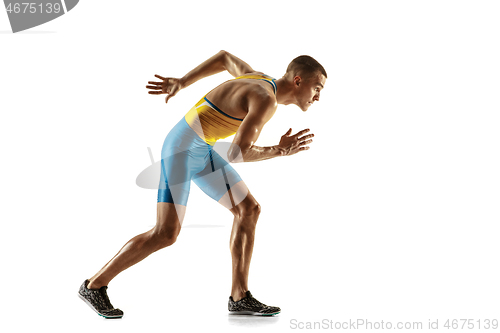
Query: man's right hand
[[168, 86], [292, 144]]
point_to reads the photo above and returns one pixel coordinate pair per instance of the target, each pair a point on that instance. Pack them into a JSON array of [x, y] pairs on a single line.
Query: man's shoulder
[[256, 75], [254, 85], [258, 92]]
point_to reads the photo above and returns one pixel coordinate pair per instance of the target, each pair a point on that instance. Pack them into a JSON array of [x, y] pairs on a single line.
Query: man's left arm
[[243, 148]]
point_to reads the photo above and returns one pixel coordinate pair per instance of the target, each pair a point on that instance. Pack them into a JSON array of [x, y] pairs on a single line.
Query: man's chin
[[303, 107]]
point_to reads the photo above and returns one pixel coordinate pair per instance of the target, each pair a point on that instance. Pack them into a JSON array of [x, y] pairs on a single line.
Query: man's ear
[[297, 80]]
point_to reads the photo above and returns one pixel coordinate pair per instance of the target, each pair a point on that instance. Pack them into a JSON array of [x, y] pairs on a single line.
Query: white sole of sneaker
[[90, 305], [251, 313]]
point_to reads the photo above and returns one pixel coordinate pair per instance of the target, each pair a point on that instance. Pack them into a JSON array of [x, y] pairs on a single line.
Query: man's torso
[[220, 112]]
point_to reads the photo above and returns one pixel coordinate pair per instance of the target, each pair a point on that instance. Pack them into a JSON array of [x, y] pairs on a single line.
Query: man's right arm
[[220, 62]]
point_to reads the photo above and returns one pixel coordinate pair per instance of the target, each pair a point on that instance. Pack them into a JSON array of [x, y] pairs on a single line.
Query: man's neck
[[284, 89]]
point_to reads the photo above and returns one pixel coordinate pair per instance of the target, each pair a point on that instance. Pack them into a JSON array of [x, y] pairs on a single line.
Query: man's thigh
[[175, 178], [220, 181]]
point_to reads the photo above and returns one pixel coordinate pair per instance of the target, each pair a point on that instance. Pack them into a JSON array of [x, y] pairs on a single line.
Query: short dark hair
[[305, 65]]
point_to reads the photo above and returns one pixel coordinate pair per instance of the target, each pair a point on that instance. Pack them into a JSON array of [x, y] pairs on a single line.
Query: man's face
[[308, 90]]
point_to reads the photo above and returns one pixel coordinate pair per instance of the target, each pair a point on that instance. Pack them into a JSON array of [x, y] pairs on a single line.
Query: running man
[[239, 107]]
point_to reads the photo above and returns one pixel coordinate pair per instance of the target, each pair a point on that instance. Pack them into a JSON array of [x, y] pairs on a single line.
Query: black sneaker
[[99, 302], [250, 306]]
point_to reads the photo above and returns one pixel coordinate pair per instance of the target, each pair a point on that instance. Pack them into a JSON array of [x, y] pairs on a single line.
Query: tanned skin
[[255, 102]]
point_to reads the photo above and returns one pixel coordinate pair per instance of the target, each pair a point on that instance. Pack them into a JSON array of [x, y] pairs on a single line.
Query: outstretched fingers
[[154, 87], [157, 85], [292, 144], [305, 137], [302, 132], [304, 140]]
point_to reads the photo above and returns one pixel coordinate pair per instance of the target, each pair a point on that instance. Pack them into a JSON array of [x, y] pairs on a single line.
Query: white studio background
[[391, 215]]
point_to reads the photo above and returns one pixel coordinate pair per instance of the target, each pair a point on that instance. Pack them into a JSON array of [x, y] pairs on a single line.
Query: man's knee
[[247, 208], [168, 225], [163, 237]]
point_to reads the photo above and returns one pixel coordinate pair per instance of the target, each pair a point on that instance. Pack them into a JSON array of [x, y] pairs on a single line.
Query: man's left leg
[[221, 182], [246, 211]]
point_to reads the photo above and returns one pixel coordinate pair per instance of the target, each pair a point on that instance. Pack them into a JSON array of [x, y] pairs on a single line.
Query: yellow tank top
[[211, 123]]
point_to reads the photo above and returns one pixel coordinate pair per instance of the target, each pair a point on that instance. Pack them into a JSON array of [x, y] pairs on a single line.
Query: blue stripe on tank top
[[220, 111], [271, 83]]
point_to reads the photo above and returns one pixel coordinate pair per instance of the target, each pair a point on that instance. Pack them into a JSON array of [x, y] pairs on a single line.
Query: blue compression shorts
[[185, 157]]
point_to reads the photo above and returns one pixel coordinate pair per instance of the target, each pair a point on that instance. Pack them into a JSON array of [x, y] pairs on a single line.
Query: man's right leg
[[165, 232]]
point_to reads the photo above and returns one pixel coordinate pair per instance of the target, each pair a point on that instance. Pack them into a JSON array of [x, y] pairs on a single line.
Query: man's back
[[220, 113], [232, 96]]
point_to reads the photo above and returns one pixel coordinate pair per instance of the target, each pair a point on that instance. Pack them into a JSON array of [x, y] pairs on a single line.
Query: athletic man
[[241, 106]]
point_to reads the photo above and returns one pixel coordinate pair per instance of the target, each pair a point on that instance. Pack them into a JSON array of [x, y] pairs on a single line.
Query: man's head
[[308, 78]]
